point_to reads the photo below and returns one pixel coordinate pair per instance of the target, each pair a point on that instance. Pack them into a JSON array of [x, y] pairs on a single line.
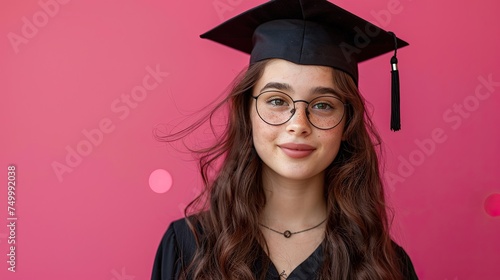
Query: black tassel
[[395, 101]]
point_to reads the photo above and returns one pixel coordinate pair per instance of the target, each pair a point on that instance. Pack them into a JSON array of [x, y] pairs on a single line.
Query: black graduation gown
[[178, 246]]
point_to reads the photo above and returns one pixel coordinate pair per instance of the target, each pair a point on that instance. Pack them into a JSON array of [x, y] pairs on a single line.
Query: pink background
[[65, 67]]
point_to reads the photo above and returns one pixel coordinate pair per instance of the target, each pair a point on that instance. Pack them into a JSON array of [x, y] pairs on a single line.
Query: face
[[295, 150]]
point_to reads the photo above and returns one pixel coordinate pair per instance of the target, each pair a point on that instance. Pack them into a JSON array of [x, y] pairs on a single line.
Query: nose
[[299, 123]]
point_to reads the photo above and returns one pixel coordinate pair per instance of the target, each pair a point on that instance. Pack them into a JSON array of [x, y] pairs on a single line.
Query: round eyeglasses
[[276, 108]]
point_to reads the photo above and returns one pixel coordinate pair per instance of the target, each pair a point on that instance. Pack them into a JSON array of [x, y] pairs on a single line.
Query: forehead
[[298, 77]]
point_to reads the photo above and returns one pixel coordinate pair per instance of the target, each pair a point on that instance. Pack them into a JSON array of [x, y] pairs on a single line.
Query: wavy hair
[[357, 244]]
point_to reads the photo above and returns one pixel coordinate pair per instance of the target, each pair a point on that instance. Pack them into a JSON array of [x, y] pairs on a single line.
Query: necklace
[[287, 233]]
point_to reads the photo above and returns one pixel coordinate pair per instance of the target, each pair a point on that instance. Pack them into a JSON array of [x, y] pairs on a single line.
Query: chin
[[298, 174]]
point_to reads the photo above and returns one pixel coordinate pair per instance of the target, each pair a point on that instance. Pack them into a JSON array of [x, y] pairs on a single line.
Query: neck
[[293, 204]]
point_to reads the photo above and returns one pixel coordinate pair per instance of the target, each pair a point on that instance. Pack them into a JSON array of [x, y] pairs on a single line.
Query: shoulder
[[175, 252], [180, 235], [405, 263], [179, 227]]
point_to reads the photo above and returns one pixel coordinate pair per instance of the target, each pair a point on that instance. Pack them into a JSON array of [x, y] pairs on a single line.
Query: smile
[[297, 150]]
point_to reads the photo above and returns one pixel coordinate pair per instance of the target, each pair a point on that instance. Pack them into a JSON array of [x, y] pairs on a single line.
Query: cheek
[[256, 129], [332, 141], [262, 134], [258, 132]]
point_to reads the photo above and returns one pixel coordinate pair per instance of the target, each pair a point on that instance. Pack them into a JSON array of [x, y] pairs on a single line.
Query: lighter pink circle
[[492, 205], [160, 181]]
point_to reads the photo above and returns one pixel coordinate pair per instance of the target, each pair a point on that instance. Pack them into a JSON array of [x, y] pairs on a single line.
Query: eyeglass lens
[[276, 108]]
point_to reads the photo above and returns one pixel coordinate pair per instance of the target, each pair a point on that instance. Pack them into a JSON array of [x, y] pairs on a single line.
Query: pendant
[[287, 234]]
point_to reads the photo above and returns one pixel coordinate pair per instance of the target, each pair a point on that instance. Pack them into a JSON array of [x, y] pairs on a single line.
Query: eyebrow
[[325, 90], [287, 87], [276, 85]]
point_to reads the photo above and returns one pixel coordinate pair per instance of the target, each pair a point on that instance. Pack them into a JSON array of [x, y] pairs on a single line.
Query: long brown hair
[[357, 244]]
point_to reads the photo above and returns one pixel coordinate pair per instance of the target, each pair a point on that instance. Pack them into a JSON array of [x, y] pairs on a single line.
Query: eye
[[322, 106], [326, 105], [277, 101]]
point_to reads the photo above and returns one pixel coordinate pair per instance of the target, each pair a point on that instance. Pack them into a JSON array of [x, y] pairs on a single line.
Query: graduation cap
[[311, 32]]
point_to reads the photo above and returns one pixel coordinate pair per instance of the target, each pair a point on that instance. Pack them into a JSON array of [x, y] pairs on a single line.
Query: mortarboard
[[310, 32]]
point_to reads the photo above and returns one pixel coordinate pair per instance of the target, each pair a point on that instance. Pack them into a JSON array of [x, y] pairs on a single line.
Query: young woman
[[298, 193]]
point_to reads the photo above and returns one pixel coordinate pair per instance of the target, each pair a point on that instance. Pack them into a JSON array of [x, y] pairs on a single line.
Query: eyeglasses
[[276, 108]]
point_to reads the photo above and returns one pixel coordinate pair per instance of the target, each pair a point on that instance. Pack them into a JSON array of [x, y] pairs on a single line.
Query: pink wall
[[84, 82]]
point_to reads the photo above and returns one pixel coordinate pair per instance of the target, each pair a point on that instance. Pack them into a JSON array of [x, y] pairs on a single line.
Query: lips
[[294, 150]]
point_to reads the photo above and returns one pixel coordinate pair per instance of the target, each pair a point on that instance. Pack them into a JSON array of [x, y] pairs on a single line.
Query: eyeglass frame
[[295, 110]]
